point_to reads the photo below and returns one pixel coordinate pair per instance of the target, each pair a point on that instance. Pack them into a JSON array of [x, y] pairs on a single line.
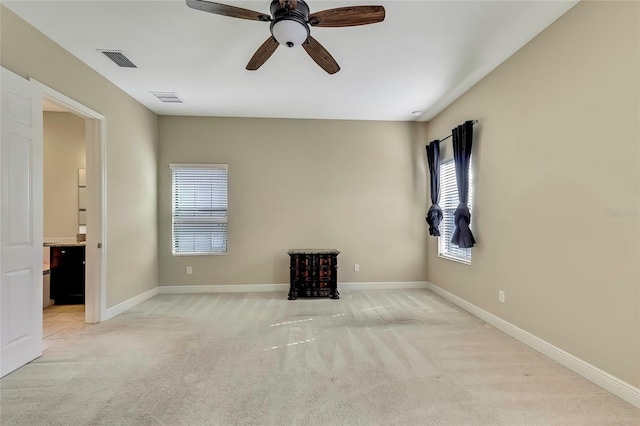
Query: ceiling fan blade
[[319, 54], [347, 16], [263, 53], [226, 10]]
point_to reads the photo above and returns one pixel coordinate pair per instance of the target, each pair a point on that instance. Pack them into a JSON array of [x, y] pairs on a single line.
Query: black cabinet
[[314, 273], [67, 274]]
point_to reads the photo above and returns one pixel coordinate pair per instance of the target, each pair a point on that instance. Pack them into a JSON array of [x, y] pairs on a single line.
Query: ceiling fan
[[290, 21]]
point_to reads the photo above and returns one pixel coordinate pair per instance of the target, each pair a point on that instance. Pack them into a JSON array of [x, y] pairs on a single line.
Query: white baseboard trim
[[619, 388], [233, 288], [248, 288], [128, 304], [401, 285]]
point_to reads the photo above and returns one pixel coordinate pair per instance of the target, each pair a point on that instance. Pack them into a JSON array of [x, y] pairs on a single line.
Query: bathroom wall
[[64, 154]]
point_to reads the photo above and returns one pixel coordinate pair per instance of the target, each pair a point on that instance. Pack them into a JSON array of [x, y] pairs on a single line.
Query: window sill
[[454, 259], [199, 254]]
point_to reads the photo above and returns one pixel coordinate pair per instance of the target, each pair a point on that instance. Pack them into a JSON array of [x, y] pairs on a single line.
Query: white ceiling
[[421, 58]]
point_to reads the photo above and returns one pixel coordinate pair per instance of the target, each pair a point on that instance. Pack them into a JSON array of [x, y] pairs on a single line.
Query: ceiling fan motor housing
[[289, 26]]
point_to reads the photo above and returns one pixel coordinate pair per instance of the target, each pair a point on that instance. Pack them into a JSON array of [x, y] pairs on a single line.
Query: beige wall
[[358, 187], [64, 154], [131, 149], [556, 152]]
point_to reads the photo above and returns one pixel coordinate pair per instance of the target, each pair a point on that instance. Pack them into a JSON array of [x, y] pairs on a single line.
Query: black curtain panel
[[462, 141], [434, 215]]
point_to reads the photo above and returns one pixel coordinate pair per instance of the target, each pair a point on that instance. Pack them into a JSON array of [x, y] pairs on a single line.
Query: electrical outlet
[[501, 296], [356, 267], [189, 270]]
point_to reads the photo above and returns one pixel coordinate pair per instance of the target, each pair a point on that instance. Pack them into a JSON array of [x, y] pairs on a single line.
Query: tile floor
[[58, 320]]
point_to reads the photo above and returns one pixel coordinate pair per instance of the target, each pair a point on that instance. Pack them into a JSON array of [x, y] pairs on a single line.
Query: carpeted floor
[[401, 357]]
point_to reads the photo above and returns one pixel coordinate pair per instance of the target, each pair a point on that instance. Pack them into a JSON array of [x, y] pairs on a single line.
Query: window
[[199, 208], [448, 204]]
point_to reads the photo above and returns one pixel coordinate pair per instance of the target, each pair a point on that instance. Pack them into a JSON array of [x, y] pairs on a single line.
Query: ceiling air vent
[[170, 97], [119, 58]]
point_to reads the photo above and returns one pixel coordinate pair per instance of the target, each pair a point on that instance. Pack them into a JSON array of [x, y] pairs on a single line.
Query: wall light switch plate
[[356, 267], [189, 270], [501, 296]]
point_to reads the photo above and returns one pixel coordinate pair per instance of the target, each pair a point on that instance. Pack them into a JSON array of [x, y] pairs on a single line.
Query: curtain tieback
[[462, 236], [462, 214], [434, 217]]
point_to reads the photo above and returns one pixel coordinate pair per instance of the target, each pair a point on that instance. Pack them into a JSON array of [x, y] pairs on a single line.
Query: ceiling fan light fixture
[[289, 27], [290, 32]]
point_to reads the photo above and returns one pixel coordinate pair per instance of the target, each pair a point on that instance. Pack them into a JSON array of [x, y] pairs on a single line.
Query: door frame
[[96, 158]]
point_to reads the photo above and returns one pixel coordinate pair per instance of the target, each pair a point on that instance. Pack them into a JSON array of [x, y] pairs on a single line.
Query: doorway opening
[[89, 216], [64, 222]]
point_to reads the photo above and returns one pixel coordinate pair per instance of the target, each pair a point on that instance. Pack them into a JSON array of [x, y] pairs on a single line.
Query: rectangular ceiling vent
[[170, 97], [118, 57]]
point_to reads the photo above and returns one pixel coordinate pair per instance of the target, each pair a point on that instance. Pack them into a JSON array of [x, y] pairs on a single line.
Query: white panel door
[[20, 222]]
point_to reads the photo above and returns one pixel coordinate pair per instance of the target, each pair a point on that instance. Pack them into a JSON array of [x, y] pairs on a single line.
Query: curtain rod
[[472, 123]]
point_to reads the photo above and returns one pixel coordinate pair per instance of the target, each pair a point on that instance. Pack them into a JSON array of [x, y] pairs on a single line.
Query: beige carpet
[[403, 357]]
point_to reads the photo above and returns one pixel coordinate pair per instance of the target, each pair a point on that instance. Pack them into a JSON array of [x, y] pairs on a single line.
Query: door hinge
[[99, 245]]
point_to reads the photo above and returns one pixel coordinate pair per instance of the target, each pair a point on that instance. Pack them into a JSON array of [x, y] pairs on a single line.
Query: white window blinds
[[448, 204], [199, 208]]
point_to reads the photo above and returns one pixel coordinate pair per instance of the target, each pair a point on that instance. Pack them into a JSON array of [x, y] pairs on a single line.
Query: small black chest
[[314, 273]]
